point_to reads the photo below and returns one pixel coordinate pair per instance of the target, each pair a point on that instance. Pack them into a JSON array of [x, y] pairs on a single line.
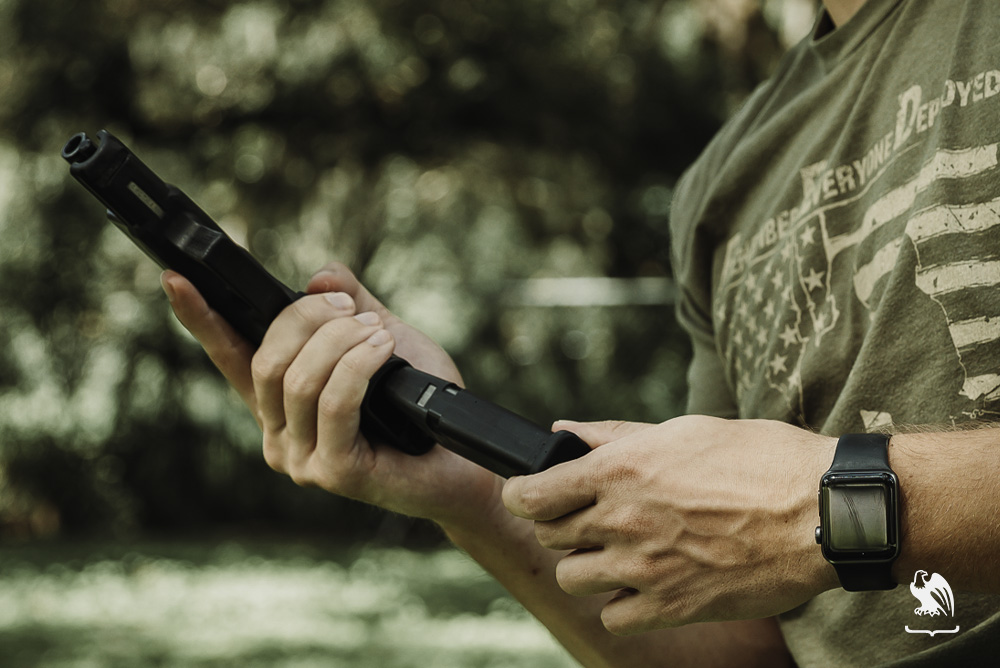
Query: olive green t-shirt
[[837, 253]]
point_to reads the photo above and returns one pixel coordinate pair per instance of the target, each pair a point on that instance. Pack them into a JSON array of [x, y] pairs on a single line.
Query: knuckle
[[530, 500], [335, 407], [299, 383], [311, 311], [333, 330], [676, 610], [632, 524], [692, 426], [614, 426], [625, 467], [353, 364], [303, 309], [265, 368], [643, 570]]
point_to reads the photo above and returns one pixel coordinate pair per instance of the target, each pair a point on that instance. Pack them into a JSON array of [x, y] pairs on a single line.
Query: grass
[[258, 604]]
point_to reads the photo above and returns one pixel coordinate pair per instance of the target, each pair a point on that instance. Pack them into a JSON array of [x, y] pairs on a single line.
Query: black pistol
[[406, 408]]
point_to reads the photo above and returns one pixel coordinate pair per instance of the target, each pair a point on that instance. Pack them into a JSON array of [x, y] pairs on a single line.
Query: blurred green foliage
[[443, 149], [252, 605]]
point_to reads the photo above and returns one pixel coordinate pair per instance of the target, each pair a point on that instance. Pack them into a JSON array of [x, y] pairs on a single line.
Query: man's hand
[[305, 384], [696, 519]]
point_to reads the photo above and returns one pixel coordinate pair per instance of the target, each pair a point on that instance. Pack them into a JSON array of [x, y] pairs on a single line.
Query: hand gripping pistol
[[403, 407]]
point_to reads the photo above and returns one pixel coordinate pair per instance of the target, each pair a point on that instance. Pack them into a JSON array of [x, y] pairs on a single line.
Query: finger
[[282, 342], [580, 530], [312, 367], [336, 277], [229, 351], [588, 572], [630, 612], [596, 434], [553, 493], [340, 403]]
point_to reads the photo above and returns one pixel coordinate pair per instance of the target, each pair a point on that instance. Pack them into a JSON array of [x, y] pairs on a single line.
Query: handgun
[[404, 407]]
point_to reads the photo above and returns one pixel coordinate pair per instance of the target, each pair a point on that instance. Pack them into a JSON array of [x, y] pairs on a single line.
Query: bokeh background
[[499, 173]]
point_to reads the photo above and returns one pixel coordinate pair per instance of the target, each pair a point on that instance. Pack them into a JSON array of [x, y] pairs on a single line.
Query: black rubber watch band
[[865, 577], [862, 452]]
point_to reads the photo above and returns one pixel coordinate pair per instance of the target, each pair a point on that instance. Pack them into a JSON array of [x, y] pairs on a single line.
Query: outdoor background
[[464, 157]]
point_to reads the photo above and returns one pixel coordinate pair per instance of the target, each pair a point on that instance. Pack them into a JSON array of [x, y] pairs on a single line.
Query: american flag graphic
[[968, 289], [778, 300]]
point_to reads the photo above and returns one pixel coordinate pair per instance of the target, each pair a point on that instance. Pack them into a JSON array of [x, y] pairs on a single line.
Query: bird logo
[[936, 598], [934, 594]]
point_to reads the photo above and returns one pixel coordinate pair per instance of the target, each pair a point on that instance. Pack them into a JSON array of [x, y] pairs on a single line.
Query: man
[[836, 248]]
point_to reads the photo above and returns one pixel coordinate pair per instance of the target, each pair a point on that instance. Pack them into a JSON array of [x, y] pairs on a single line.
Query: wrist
[[915, 521], [819, 573], [504, 545], [472, 523]]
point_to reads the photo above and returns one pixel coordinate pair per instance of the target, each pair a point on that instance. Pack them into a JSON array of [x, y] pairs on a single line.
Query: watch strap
[[862, 452], [865, 577]]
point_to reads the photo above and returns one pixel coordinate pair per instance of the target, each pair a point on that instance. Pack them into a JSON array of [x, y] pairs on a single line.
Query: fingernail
[[167, 288], [321, 272], [339, 300], [379, 338], [560, 425], [326, 276], [368, 318]]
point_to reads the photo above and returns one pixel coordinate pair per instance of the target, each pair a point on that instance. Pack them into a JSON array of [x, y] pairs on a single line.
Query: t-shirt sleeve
[[692, 245], [708, 391]]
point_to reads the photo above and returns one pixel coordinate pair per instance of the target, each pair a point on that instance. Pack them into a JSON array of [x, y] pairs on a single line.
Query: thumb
[[596, 434], [336, 277], [230, 352]]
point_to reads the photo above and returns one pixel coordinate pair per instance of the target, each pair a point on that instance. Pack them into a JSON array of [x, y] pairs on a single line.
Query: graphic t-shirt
[[837, 251]]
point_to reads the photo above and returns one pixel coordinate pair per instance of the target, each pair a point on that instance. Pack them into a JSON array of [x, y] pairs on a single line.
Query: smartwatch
[[859, 513]]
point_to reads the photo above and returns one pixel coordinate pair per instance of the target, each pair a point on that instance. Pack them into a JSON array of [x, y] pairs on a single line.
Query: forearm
[[506, 547], [950, 489]]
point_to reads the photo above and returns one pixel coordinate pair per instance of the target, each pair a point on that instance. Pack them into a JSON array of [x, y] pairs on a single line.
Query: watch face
[[859, 517]]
